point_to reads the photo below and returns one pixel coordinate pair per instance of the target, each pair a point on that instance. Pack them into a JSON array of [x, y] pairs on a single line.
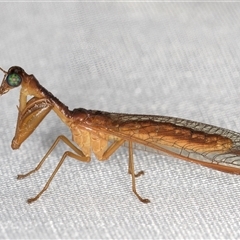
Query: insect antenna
[[3, 70]]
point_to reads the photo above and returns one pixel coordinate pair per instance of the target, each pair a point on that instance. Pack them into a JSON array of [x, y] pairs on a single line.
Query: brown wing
[[197, 142]]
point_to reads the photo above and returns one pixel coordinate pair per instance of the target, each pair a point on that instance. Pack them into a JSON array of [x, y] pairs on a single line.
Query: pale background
[[174, 59]]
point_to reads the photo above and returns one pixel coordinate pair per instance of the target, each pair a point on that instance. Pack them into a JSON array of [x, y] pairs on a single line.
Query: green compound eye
[[13, 80]]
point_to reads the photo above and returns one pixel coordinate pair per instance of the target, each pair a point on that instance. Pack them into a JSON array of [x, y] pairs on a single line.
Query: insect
[[103, 133]]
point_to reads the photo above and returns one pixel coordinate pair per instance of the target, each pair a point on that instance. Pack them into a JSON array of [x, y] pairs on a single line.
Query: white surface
[[175, 59]]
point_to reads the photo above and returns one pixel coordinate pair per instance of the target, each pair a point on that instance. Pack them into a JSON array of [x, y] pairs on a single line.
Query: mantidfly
[[103, 133]]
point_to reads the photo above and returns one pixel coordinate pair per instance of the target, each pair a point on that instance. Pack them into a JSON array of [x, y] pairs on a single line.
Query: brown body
[[103, 133]]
